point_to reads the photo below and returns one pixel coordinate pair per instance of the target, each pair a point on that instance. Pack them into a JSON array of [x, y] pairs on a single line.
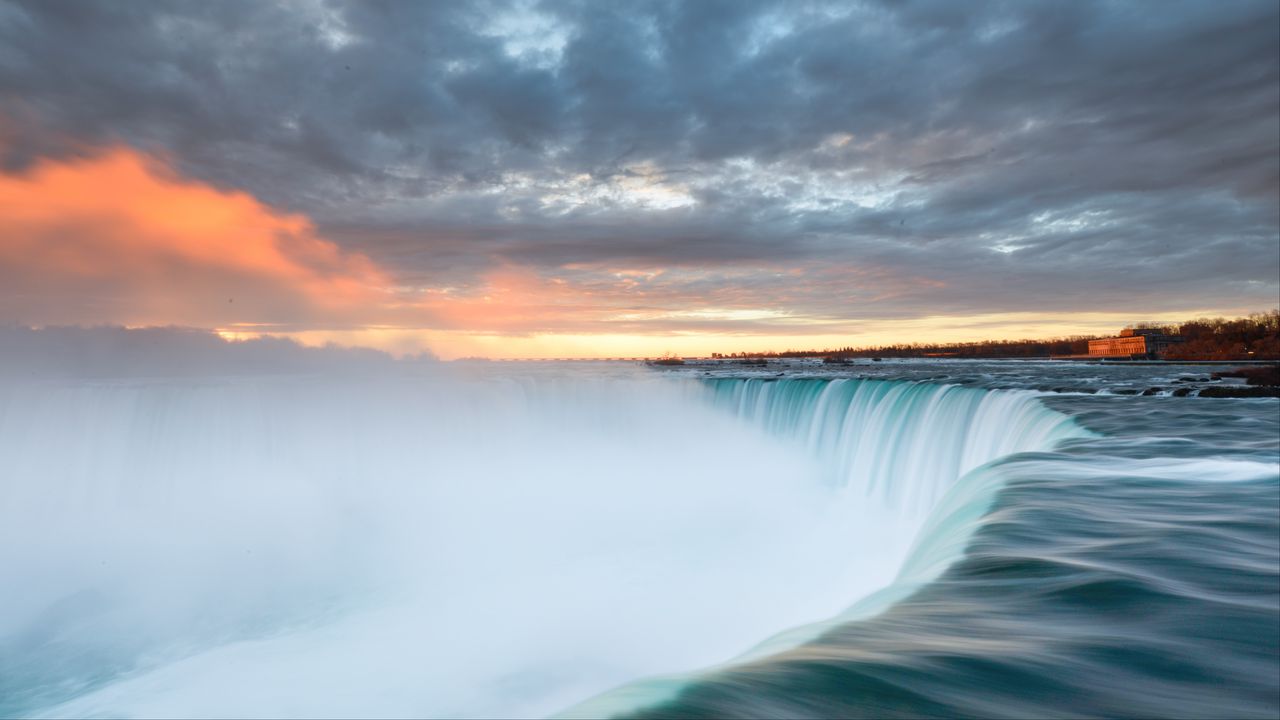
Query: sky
[[576, 179]]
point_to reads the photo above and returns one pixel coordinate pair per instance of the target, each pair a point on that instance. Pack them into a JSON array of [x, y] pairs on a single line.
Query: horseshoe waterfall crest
[[900, 443], [407, 540], [926, 455]]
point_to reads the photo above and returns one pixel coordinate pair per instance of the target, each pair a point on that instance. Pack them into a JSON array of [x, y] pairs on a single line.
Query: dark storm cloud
[[1020, 155]]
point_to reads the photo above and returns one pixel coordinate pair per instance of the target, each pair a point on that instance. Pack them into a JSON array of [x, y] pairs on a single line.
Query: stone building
[[1134, 343]]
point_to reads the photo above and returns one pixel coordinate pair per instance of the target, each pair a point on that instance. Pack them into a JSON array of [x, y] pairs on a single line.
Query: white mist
[[375, 539]]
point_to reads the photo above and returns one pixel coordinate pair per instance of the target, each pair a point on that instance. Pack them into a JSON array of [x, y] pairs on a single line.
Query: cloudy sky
[[588, 178]]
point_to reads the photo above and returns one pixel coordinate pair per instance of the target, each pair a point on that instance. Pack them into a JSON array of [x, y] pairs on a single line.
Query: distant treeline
[[1255, 337]]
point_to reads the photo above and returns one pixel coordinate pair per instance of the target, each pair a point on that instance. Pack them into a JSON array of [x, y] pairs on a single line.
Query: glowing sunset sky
[[586, 179]]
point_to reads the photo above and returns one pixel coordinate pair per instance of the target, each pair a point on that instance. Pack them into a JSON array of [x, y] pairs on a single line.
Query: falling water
[[414, 541]]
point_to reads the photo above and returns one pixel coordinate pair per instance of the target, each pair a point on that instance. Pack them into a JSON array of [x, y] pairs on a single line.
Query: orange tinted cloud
[[518, 300], [121, 238]]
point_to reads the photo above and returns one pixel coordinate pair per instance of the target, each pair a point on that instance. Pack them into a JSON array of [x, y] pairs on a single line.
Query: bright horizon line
[[451, 345]]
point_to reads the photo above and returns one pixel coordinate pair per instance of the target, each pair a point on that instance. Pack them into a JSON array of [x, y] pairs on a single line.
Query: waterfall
[[900, 444], [927, 454], [370, 538]]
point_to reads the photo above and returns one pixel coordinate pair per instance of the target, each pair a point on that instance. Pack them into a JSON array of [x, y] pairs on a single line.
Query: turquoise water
[[1132, 572], [903, 539]]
